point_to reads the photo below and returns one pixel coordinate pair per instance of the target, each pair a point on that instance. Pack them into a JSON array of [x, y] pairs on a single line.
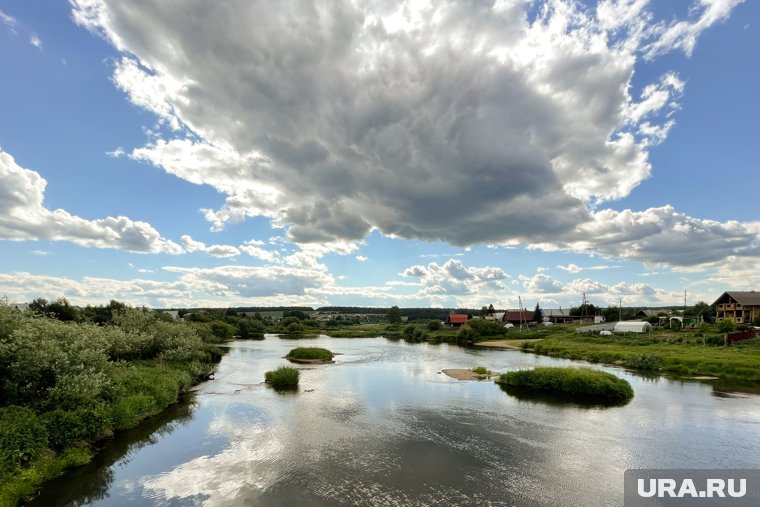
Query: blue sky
[[414, 153]]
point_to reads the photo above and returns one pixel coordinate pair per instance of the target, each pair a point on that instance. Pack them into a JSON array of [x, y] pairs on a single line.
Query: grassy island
[[310, 355], [283, 377], [584, 382]]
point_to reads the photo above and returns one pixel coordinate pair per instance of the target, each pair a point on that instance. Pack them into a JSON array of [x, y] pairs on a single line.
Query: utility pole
[[620, 310]]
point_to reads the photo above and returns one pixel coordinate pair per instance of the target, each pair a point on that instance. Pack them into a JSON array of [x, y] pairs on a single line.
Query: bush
[[434, 325], [579, 381], [309, 353], [466, 335], [487, 327], [66, 426], [282, 377], [481, 370], [643, 362], [22, 437], [726, 326]]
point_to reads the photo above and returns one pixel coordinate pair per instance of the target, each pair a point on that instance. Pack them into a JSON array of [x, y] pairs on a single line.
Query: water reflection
[[381, 426], [559, 399], [87, 484]]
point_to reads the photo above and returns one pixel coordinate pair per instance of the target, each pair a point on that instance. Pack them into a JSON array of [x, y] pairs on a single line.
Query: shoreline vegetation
[[589, 384], [67, 386]]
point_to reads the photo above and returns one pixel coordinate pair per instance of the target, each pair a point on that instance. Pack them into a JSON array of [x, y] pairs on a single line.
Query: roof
[[749, 298], [653, 313], [555, 312], [457, 318], [632, 326], [519, 315]]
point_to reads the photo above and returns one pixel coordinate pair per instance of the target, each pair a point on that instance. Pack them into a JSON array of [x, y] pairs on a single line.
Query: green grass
[[309, 353], [681, 353], [584, 382], [282, 377], [481, 370], [356, 331]]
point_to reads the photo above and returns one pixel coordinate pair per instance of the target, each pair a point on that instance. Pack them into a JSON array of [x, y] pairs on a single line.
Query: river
[[383, 426]]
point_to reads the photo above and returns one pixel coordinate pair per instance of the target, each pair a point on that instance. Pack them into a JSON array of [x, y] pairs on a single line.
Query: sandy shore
[[461, 374], [504, 344]]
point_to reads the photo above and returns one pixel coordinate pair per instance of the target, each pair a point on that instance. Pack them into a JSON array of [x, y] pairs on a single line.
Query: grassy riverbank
[[66, 386], [594, 384], [687, 352], [683, 353]]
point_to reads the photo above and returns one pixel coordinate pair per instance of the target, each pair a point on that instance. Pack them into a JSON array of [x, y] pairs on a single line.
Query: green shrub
[[282, 377], [128, 412], [726, 326], [22, 437], [579, 381], [481, 370], [434, 325], [487, 327], [643, 362], [66, 426], [309, 353], [466, 335], [715, 341]]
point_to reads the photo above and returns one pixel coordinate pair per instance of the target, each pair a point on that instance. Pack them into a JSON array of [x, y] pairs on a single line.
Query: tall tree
[[538, 315], [394, 315]]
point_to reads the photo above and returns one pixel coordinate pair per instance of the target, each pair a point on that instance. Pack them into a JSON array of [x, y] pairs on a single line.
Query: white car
[[509, 325], [605, 332], [547, 323]]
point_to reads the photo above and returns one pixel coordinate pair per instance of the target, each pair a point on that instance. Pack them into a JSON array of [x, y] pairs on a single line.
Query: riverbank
[[66, 387], [674, 353]]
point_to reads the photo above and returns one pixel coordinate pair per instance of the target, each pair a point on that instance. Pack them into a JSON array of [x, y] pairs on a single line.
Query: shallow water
[[382, 426]]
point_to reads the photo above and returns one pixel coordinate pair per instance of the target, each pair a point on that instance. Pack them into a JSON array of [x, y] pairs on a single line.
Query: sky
[[377, 153]]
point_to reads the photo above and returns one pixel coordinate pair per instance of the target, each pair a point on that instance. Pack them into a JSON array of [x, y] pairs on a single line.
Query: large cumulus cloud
[[491, 122]]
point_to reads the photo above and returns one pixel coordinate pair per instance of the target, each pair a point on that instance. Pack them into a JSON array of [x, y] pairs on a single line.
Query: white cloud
[[683, 34], [24, 217], [454, 283], [223, 250], [116, 153], [253, 282], [9, 21], [541, 283], [35, 41], [40, 252], [574, 268], [385, 115], [191, 245], [361, 258]]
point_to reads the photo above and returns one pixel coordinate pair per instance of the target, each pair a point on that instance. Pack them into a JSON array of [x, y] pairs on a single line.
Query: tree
[[706, 311], [63, 311], [538, 315], [394, 315], [39, 305], [727, 325]]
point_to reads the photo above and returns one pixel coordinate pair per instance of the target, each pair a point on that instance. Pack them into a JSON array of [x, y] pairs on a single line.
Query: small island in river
[[477, 373], [569, 380], [310, 355]]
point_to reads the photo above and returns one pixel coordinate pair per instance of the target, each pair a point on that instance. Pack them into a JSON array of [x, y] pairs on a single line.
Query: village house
[[743, 307], [456, 320]]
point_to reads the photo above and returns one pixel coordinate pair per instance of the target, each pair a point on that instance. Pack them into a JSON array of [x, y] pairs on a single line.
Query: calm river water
[[383, 427]]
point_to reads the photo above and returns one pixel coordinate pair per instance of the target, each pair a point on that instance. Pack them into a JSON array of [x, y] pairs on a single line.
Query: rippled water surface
[[382, 426]]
